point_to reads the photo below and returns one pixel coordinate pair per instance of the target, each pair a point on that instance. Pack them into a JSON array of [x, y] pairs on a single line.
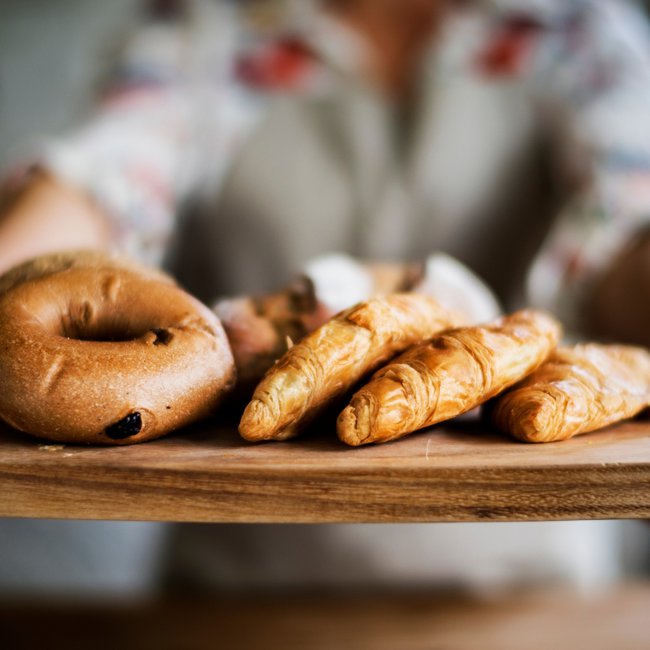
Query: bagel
[[96, 350], [56, 262]]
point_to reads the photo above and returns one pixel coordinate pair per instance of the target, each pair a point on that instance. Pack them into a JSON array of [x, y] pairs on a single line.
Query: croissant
[[447, 376], [332, 359], [260, 329], [579, 389]]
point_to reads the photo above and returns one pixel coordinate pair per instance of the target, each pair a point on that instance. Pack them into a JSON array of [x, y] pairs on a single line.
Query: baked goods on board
[[261, 329], [331, 360], [578, 389], [95, 350], [451, 374]]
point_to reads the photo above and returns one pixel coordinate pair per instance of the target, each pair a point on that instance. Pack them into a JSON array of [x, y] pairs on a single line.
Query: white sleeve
[[164, 132], [598, 68]]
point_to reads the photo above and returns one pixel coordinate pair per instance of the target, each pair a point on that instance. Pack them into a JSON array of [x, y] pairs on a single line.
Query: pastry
[[578, 389], [93, 350], [332, 359], [446, 376]]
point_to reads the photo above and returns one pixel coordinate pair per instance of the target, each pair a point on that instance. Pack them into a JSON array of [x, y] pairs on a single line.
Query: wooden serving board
[[461, 472]]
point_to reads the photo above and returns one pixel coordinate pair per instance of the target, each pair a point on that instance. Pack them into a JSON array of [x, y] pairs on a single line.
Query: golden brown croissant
[[332, 359], [578, 389], [447, 376], [260, 329]]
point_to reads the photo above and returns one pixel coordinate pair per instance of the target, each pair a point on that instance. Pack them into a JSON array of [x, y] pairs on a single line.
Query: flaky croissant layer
[[332, 359], [449, 375], [579, 389]]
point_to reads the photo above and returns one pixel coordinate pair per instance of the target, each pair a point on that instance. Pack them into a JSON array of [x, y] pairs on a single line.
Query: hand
[[620, 307], [49, 216]]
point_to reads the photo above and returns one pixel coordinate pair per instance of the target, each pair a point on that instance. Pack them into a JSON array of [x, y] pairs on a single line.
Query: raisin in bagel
[[97, 350]]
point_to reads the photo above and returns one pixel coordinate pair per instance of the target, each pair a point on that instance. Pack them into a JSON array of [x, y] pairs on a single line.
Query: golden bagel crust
[[94, 351], [55, 262]]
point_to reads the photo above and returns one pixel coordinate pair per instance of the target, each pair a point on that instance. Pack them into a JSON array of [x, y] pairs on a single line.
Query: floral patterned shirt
[[186, 95]]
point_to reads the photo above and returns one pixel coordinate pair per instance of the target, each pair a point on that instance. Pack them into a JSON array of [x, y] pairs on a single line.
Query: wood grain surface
[[454, 473]]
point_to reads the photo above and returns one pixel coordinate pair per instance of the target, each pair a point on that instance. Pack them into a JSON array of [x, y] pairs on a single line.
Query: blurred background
[[55, 58]]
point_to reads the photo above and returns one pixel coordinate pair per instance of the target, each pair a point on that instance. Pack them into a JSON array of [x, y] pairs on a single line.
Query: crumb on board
[[51, 447]]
